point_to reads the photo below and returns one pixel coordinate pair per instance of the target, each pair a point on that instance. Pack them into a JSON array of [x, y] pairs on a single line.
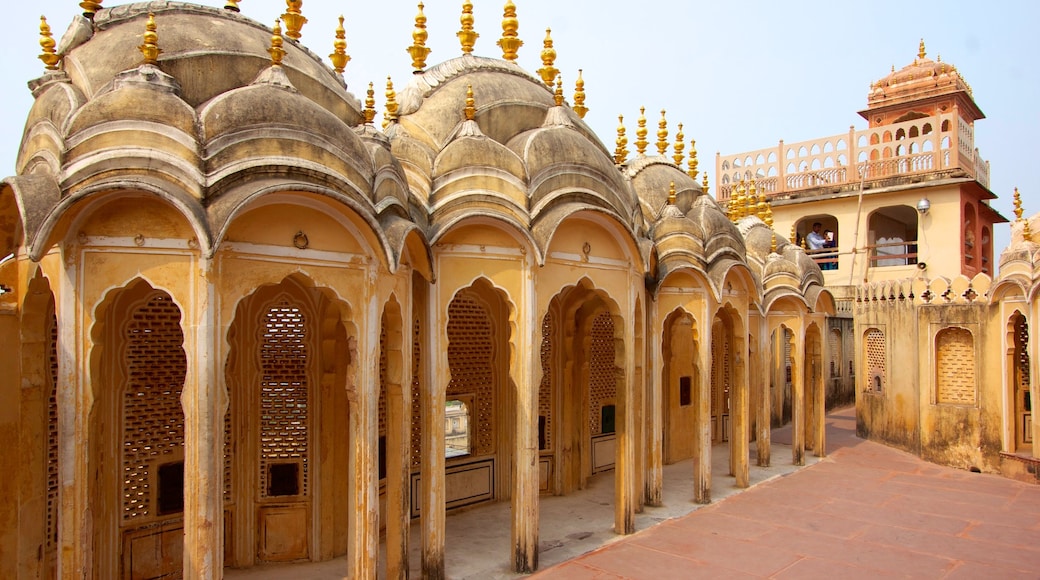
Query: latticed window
[[416, 432], [284, 402], [153, 421], [955, 367], [471, 361], [545, 389], [835, 352], [52, 435], [1023, 399], [383, 364], [788, 339], [874, 343], [602, 370]]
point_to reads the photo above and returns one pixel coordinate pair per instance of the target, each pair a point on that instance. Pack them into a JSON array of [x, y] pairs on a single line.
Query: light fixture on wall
[[923, 206]]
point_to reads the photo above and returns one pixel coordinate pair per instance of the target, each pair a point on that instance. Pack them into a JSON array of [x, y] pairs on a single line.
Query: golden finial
[[741, 200], [391, 103], [370, 105], [467, 36], [751, 200], [736, 202], [772, 245], [692, 163], [1027, 233], [805, 245], [671, 194], [920, 50], [339, 55], [49, 57], [794, 234], [548, 71], [762, 205], [621, 152], [678, 147], [558, 93], [150, 45], [768, 218], [704, 184], [662, 135], [294, 19], [1018, 205], [641, 142], [471, 109], [579, 97], [418, 50], [232, 5], [276, 50], [90, 7], [509, 42]]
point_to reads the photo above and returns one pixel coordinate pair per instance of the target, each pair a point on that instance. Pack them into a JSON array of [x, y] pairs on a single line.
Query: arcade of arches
[[242, 325]]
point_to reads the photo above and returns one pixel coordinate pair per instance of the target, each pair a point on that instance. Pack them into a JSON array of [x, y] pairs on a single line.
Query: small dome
[[652, 179], [923, 77]]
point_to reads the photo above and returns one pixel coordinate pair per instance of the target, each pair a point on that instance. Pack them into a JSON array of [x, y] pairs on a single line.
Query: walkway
[[866, 511]]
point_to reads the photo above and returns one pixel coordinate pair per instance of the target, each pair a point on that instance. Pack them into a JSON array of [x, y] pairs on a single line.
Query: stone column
[[363, 548], [702, 417], [624, 468], [525, 371], [765, 378], [741, 410], [820, 393], [75, 401], [433, 396], [798, 398], [204, 401], [398, 444], [655, 407], [1033, 344], [16, 459]]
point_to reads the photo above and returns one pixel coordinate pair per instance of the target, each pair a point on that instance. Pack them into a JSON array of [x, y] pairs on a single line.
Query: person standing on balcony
[[815, 239]]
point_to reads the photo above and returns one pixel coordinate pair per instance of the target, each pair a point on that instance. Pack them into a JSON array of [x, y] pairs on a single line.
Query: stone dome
[[196, 138], [516, 155]]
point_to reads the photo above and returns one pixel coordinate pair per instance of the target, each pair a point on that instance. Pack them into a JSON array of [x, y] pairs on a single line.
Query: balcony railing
[[937, 143], [893, 254], [827, 258]]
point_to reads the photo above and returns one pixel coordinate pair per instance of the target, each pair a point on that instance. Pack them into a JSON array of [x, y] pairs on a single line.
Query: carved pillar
[[75, 401], [798, 398], [741, 407], [525, 371], [702, 417], [433, 498], [363, 391], [820, 394], [204, 400], [624, 470], [398, 444], [1033, 340], [654, 334], [764, 378]]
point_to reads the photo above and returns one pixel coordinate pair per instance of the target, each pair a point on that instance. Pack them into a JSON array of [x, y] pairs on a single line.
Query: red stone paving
[[866, 511]]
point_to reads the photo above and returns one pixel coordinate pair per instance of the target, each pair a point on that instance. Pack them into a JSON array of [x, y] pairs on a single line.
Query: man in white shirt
[[815, 239]]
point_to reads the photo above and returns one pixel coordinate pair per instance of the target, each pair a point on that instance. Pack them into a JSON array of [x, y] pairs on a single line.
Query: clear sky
[[740, 75]]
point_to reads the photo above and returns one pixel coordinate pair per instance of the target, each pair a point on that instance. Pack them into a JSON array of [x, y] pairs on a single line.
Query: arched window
[[892, 236]]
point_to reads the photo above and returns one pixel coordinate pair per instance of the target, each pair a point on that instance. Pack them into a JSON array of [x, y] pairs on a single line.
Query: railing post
[[781, 160], [718, 176], [853, 154]]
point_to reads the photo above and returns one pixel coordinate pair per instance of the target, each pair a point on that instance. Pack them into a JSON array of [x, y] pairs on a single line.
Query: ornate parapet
[[922, 291], [939, 143]]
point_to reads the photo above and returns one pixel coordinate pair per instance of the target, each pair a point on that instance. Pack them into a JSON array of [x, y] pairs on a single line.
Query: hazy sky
[[740, 75]]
